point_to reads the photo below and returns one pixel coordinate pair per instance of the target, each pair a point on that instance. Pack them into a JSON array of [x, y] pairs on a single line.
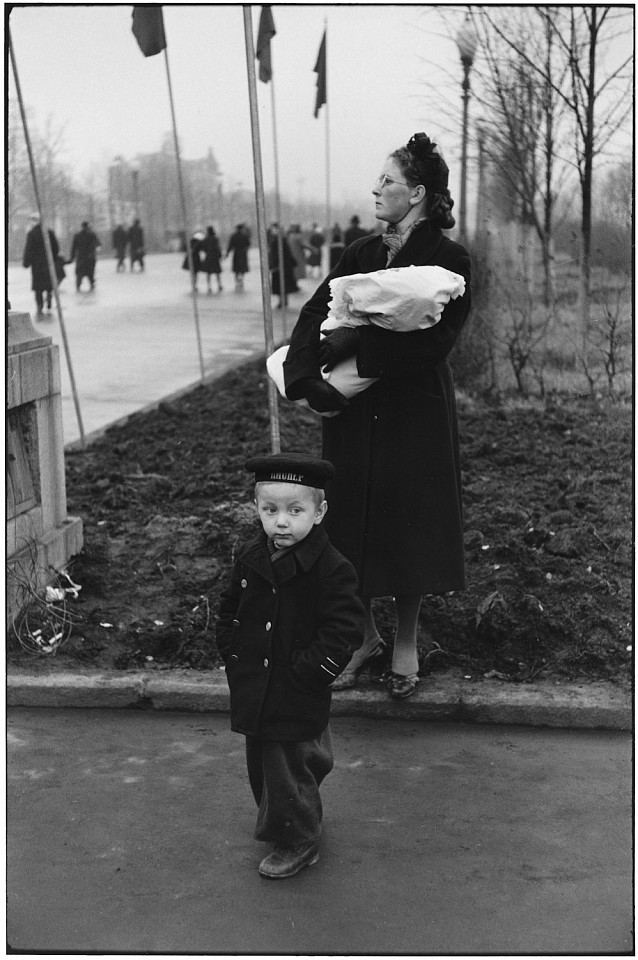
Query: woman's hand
[[322, 397], [338, 345]]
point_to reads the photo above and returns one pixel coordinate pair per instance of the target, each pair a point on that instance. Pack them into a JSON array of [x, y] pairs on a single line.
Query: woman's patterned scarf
[[393, 240]]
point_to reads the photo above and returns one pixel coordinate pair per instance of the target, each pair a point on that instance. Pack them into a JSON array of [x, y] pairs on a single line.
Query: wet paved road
[[133, 340], [132, 831]]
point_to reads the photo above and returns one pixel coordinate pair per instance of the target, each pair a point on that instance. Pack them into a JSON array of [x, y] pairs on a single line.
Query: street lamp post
[[467, 43], [480, 192]]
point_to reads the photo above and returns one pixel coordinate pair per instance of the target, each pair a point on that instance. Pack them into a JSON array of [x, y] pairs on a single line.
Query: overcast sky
[[81, 65]]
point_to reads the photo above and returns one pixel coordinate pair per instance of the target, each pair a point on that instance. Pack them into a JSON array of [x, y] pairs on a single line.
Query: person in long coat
[[290, 283], [395, 507], [120, 240], [35, 257], [196, 256], [238, 245], [136, 245], [316, 241], [212, 262], [83, 251], [298, 249]]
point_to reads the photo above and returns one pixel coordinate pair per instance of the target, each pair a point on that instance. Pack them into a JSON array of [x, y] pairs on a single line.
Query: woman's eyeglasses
[[384, 180]]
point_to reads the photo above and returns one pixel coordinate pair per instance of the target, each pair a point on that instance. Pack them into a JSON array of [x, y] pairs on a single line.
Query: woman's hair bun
[[428, 160], [422, 147]]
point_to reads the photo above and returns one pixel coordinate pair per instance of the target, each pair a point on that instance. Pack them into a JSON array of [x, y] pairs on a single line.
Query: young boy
[[289, 621]]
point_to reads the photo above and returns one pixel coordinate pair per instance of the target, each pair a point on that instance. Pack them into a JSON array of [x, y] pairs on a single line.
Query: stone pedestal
[[40, 536]]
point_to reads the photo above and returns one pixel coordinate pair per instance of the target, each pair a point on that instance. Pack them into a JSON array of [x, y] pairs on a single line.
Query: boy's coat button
[[244, 584]]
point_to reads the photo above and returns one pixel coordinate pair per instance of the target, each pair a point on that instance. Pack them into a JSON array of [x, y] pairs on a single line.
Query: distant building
[[147, 188]]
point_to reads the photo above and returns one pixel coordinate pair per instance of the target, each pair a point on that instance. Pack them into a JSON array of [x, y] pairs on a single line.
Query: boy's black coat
[[285, 636]]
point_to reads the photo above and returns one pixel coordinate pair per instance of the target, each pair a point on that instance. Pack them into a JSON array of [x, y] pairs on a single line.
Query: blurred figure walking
[[238, 245], [354, 231], [84, 253], [196, 256], [298, 249], [289, 284], [136, 245], [119, 241], [316, 241], [35, 257], [337, 246], [212, 262]]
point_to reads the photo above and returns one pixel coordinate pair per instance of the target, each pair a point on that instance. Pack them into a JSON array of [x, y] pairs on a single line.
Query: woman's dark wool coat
[[285, 630], [395, 504]]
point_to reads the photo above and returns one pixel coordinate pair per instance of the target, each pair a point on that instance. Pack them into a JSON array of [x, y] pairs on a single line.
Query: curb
[[593, 706]]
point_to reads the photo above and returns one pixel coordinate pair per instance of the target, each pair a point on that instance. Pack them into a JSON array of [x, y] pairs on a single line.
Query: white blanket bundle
[[401, 299]]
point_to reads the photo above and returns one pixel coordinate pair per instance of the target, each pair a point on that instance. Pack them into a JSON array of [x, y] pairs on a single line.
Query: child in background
[[289, 621]]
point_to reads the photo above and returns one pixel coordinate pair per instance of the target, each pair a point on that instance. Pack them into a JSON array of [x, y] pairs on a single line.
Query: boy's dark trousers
[[285, 776]]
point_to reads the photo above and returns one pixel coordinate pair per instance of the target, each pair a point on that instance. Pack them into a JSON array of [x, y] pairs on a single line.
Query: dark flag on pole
[[264, 36], [148, 29], [320, 70]]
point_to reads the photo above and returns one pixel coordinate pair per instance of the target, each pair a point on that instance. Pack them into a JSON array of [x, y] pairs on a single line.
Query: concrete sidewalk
[[133, 341], [440, 697], [132, 831]]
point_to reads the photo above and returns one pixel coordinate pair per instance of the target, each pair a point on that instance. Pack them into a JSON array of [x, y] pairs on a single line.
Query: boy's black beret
[[291, 468]]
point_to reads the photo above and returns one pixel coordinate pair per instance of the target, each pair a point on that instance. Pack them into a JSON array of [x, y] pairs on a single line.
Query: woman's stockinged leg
[[405, 660], [372, 645]]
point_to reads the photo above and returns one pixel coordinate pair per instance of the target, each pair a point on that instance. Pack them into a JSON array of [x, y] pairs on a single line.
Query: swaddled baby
[[401, 299]]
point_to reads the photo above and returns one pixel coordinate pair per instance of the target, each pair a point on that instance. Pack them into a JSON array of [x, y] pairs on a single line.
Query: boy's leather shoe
[[286, 862]]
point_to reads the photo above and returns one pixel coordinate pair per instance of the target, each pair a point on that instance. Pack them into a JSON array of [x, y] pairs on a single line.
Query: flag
[[320, 70], [266, 31], [148, 29]]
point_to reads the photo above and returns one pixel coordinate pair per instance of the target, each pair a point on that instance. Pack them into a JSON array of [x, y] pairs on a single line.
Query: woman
[[298, 249], [238, 244], [212, 258], [196, 247], [395, 505], [290, 283]]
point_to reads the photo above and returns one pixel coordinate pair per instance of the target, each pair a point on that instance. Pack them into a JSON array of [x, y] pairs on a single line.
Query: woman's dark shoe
[[401, 686], [368, 652]]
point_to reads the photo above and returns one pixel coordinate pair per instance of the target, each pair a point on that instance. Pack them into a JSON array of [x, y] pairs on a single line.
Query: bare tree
[[597, 95]]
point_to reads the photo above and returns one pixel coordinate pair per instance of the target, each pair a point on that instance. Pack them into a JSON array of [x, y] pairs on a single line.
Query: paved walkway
[[133, 341], [132, 831]]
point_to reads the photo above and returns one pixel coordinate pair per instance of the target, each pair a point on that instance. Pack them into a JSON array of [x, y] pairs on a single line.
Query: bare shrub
[[474, 356]]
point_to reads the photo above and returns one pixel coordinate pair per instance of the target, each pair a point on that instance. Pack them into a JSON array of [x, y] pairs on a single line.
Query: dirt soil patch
[[165, 501]]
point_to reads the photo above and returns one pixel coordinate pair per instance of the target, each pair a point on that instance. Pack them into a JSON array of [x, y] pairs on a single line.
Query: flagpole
[[47, 243], [189, 249], [327, 105], [280, 235], [275, 441]]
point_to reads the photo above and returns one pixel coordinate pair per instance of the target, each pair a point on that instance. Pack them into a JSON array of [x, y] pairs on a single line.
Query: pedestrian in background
[[238, 245], [316, 241], [289, 284], [354, 231], [120, 240], [196, 257], [337, 246], [395, 504], [35, 257], [84, 252], [289, 619], [136, 245], [298, 249], [212, 258]]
